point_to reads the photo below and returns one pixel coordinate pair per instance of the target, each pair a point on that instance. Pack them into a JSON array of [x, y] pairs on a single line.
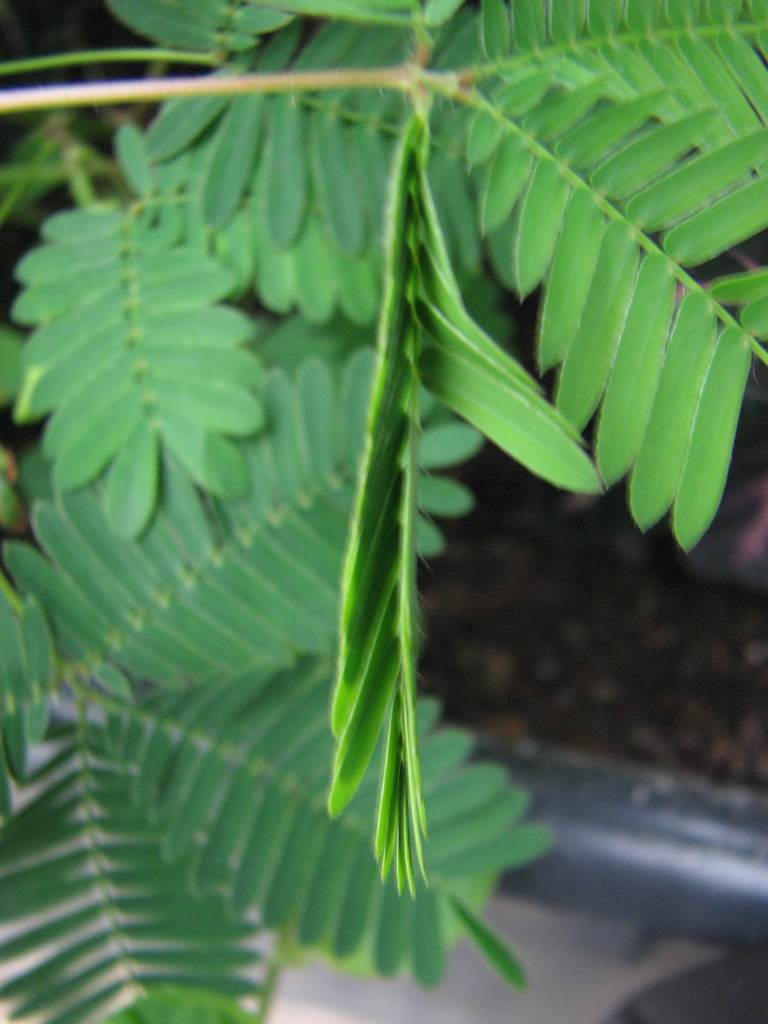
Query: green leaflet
[[378, 608], [337, 188], [286, 190], [131, 152], [446, 444], [566, 19], [558, 113], [285, 193], [442, 496], [661, 458], [588, 359], [131, 487], [541, 211], [504, 181], [570, 275], [485, 133], [529, 24], [587, 142], [755, 317], [697, 181], [712, 434], [494, 27], [739, 215], [180, 122], [232, 154], [524, 92], [740, 288], [604, 18], [641, 160], [635, 372]]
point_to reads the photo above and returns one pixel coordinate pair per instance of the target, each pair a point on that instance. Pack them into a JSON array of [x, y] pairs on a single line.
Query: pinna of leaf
[[425, 336], [376, 670]]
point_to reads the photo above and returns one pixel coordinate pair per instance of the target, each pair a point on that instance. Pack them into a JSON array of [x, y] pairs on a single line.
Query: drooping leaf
[[376, 675]]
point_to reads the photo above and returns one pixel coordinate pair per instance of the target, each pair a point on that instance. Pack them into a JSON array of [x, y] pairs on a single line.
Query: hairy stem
[[402, 77], [80, 58]]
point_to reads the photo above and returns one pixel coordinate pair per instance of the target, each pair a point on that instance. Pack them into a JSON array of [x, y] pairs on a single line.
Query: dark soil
[[554, 618]]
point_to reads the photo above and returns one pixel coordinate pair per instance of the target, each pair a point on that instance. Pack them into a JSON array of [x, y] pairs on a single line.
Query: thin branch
[[84, 94], [80, 58]]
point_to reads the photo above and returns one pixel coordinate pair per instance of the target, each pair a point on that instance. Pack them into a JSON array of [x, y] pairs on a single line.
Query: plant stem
[[50, 97], [82, 57]]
